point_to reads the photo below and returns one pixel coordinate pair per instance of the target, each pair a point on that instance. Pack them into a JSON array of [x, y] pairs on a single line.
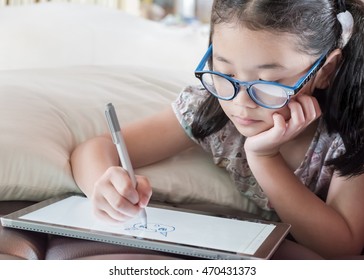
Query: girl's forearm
[[314, 223], [90, 160]]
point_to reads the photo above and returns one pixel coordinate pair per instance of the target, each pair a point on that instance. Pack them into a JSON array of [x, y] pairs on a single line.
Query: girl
[[280, 107]]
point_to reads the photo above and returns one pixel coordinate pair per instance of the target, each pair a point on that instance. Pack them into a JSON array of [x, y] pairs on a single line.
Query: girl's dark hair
[[315, 25]]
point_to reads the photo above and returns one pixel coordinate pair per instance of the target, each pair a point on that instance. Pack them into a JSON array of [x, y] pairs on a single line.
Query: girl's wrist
[[262, 153], [259, 159]]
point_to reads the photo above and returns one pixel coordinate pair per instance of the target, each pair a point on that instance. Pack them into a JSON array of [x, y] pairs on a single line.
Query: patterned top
[[226, 147]]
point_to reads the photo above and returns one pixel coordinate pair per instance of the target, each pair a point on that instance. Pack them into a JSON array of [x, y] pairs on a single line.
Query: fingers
[[304, 110], [279, 126], [109, 214], [144, 190], [121, 185], [115, 198]]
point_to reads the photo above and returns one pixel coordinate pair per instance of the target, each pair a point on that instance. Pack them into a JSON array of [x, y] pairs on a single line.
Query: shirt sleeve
[[186, 106]]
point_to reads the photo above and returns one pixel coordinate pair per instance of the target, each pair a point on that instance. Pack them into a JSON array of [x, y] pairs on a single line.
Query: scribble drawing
[[153, 227]]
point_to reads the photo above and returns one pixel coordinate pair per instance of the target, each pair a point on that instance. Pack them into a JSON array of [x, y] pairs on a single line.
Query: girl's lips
[[244, 121]]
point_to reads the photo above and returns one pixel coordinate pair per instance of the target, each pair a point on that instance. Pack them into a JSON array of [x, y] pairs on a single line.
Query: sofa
[[59, 65]]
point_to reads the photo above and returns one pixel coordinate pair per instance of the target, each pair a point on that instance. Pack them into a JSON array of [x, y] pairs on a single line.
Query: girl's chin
[[249, 131]]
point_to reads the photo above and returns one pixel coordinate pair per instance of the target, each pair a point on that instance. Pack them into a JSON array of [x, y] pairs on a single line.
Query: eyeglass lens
[[263, 94]]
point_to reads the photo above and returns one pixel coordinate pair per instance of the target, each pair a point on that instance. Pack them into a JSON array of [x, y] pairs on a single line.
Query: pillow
[[45, 113], [63, 34]]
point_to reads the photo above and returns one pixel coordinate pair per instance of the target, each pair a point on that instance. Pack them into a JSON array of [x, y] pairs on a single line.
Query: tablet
[[169, 229]]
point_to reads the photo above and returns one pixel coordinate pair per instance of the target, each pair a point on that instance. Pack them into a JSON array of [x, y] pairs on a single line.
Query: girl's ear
[[328, 70]]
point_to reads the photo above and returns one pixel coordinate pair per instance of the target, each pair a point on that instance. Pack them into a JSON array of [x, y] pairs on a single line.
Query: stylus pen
[[117, 138]]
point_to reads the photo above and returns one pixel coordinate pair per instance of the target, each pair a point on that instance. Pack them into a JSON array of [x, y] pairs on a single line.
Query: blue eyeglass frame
[[289, 90]]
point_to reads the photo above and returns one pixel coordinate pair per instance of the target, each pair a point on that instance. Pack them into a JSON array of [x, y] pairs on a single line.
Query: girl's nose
[[243, 99]]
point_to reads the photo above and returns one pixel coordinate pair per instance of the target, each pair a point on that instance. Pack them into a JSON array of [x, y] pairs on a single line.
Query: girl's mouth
[[244, 121]]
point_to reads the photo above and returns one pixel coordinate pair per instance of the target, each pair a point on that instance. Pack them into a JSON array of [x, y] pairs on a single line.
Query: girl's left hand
[[304, 110]]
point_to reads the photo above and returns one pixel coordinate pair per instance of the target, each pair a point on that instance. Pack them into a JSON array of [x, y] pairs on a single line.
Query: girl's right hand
[[114, 198]]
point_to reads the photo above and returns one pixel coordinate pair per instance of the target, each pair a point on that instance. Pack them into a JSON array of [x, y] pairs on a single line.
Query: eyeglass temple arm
[[314, 69], [203, 61]]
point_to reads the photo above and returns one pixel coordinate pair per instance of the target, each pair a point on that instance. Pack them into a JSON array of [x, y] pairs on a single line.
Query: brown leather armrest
[[65, 248], [20, 244]]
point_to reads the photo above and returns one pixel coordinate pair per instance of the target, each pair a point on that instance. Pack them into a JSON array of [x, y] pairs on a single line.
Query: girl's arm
[[95, 163], [331, 228]]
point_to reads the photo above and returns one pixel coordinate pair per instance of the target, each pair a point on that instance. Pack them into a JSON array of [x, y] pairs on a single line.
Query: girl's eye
[[271, 81], [226, 74], [267, 81]]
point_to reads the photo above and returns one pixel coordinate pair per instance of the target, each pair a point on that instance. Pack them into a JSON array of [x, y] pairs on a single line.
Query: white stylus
[[117, 138]]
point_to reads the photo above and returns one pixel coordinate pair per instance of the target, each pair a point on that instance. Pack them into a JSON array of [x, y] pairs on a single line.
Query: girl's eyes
[[273, 81], [259, 79]]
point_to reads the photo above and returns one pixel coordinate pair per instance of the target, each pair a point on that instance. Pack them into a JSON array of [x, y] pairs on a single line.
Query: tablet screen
[[164, 225]]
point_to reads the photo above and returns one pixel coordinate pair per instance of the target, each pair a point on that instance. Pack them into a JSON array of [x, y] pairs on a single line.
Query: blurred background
[[170, 12]]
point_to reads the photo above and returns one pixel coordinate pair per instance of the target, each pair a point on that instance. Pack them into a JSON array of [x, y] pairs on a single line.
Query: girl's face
[[248, 55]]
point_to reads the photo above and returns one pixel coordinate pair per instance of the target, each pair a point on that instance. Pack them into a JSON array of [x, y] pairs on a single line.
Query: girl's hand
[[114, 197], [304, 110]]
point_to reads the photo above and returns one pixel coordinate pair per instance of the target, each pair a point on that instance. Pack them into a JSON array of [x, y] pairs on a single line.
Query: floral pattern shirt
[[226, 147]]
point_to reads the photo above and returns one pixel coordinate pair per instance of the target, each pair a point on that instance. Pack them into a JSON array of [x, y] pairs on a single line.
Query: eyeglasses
[[266, 94]]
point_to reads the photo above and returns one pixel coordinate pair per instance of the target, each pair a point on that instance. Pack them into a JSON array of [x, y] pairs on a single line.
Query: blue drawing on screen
[[152, 227]]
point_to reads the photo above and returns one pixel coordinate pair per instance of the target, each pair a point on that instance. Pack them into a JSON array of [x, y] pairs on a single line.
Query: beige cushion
[[45, 113]]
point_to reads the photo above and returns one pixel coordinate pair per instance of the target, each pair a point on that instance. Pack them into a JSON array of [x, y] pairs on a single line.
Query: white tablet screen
[[164, 225]]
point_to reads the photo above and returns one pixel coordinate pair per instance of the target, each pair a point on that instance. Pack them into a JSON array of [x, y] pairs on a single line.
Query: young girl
[[281, 107]]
